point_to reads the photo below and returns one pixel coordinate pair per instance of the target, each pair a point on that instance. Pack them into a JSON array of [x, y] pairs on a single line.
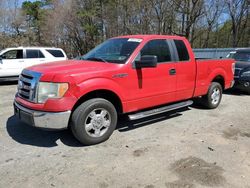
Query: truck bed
[[206, 71]]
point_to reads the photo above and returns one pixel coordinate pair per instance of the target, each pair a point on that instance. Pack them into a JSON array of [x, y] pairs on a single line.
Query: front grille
[[27, 85], [237, 72]]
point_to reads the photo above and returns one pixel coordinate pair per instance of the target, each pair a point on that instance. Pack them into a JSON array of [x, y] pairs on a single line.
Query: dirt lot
[[190, 148]]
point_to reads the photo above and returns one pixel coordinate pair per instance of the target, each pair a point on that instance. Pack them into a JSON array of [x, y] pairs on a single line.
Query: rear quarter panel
[[208, 70]]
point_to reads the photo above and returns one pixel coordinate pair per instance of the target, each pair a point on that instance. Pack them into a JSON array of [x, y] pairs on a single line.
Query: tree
[[77, 25], [190, 12], [212, 12], [34, 17], [238, 11]]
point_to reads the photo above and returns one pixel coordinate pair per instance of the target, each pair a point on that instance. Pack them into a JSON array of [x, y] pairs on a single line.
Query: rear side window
[[55, 53], [158, 48], [182, 50], [34, 54]]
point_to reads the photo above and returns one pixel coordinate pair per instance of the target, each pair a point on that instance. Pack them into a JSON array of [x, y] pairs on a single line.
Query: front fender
[[94, 84]]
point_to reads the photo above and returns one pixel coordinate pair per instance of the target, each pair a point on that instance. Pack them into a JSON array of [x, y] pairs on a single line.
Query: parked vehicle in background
[[242, 69], [14, 60], [140, 75]]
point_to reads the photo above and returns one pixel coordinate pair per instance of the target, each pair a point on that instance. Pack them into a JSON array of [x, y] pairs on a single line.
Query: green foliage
[[79, 25], [35, 14], [32, 9]]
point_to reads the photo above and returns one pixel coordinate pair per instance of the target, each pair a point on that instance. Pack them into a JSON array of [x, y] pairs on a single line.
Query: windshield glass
[[242, 56], [113, 50]]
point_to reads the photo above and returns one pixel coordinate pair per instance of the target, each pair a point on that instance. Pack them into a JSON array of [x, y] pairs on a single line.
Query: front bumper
[[45, 120]]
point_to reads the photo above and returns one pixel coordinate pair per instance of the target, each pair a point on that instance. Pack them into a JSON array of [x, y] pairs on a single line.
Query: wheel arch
[[219, 79], [101, 93]]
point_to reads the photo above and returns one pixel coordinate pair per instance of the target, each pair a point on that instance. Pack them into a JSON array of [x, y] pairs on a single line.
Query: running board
[[155, 111]]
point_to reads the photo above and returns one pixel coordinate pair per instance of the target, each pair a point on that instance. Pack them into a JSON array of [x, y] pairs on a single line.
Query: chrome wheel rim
[[215, 97], [97, 122]]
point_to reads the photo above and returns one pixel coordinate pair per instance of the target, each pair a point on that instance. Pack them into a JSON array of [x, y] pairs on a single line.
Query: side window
[[182, 50], [13, 54], [55, 53], [40, 54], [159, 48], [34, 54]]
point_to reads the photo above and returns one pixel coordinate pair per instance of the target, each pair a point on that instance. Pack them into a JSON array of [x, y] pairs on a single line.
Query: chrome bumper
[[46, 120]]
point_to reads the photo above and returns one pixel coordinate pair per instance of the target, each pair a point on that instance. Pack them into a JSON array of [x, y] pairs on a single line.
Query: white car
[[14, 60]]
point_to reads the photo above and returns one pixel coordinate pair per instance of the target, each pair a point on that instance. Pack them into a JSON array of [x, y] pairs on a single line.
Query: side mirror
[[146, 61]]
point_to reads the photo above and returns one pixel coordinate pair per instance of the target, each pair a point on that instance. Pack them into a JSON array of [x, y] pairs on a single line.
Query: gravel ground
[[189, 148]]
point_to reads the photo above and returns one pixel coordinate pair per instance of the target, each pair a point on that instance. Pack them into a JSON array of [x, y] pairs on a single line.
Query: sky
[[21, 2]]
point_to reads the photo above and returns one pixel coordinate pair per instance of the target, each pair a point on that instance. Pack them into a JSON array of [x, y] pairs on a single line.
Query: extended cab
[[140, 75]]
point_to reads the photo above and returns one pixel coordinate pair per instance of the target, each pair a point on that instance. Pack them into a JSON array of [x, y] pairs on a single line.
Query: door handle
[[172, 72], [21, 61]]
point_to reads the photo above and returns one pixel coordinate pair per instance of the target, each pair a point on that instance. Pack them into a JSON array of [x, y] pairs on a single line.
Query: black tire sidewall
[[80, 114], [248, 90]]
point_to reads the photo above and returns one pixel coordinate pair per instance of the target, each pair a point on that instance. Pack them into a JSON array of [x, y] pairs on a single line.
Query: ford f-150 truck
[[137, 75]]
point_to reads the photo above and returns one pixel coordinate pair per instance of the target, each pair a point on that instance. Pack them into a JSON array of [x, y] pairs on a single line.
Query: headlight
[[48, 90], [245, 74]]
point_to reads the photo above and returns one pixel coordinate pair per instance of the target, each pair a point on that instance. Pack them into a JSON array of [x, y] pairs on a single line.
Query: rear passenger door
[[185, 71], [34, 57]]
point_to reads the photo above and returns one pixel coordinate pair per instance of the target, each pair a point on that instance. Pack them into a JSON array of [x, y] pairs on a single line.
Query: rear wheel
[[213, 97], [94, 121]]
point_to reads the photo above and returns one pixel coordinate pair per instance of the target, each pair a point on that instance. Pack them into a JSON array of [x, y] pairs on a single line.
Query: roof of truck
[[151, 36]]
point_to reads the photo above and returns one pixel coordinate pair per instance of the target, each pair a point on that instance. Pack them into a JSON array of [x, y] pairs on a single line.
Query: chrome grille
[[27, 85]]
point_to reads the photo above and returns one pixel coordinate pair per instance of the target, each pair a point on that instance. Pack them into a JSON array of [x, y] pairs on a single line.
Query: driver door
[[154, 86]]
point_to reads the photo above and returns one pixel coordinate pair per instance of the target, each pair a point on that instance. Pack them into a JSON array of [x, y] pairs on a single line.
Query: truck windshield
[[242, 56], [116, 50]]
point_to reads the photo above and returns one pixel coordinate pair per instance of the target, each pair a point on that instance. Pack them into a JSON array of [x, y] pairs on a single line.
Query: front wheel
[[94, 121], [213, 97]]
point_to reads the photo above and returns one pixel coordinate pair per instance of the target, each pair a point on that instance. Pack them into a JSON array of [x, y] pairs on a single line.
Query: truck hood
[[73, 67]]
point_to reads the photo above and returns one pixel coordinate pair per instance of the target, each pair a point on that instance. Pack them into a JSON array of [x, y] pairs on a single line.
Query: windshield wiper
[[97, 59]]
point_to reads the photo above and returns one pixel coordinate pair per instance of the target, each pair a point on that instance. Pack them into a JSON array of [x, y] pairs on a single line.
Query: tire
[[248, 90], [94, 121], [213, 97]]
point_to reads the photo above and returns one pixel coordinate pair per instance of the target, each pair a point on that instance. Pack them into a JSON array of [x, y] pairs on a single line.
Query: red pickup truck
[[138, 75]]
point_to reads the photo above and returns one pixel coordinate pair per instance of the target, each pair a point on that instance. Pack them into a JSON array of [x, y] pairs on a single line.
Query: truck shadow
[[125, 124], [236, 92], [25, 134]]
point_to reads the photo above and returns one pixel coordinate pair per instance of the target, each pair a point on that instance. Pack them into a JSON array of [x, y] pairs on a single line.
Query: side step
[[155, 111]]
